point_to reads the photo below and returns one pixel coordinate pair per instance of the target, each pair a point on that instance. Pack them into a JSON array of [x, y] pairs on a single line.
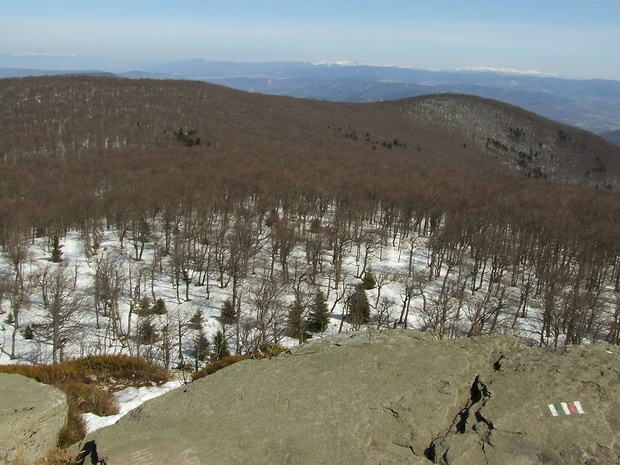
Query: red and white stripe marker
[[566, 408]]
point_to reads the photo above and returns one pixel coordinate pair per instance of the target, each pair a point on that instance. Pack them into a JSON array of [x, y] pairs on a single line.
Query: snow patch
[[128, 399]]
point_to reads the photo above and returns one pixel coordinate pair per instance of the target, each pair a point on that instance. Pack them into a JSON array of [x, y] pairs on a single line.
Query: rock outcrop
[[31, 416], [399, 397]]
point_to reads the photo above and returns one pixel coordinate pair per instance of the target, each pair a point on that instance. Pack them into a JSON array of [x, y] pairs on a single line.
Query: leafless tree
[[381, 317], [140, 231], [19, 299], [268, 312], [64, 306]]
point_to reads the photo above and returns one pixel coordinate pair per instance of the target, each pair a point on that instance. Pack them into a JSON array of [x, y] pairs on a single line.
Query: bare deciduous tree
[[63, 304]]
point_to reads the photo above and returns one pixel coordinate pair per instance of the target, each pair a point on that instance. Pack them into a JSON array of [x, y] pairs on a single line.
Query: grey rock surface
[[31, 416], [399, 397]]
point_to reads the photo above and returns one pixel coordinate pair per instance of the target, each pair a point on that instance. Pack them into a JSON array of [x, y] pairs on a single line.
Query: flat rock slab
[[399, 397], [31, 416]]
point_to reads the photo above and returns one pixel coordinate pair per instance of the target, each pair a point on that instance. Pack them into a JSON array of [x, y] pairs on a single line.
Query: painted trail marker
[[566, 408]]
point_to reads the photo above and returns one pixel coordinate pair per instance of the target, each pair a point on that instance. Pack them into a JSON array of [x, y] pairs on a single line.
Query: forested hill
[[76, 143], [80, 116], [499, 197], [522, 140]]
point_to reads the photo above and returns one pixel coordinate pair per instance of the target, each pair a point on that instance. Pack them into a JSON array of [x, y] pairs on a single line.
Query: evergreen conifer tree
[[201, 349], [196, 321], [56, 250], [144, 307], [359, 308], [319, 314], [295, 323], [369, 280], [159, 308], [147, 333], [220, 347], [28, 332], [228, 313]]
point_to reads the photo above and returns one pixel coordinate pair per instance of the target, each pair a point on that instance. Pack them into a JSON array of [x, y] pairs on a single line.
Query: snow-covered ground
[[88, 339], [128, 399], [401, 268]]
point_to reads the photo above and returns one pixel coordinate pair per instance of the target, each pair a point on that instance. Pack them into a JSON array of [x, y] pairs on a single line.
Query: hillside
[[137, 216], [81, 115], [524, 141]]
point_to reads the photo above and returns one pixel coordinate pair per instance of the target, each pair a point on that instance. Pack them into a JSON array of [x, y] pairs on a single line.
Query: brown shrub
[[218, 365], [134, 371], [75, 429], [272, 350], [82, 398], [90, 398]]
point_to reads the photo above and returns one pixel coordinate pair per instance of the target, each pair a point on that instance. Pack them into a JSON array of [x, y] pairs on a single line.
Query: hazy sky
[[573, 38]]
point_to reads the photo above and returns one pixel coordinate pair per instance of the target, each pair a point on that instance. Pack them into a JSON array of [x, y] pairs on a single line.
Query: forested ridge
[[502, 221]]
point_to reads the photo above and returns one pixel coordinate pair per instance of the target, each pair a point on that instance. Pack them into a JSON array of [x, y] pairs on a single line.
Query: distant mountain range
[[612, 136], [592, 104]]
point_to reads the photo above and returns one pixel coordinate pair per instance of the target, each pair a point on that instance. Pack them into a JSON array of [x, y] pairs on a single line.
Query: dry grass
[[272, 350], [218, 365], [58, 457], [54, 456], [88, 384], [124, 369]]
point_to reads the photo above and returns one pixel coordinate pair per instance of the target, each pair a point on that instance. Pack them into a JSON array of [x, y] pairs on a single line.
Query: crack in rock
[[479, 394], [498, 363]]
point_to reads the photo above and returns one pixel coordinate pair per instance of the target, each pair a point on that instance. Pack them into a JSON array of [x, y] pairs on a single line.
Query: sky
[[569, 38]]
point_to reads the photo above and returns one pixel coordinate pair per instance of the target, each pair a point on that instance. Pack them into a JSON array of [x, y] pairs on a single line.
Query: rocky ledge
[[31, 416], [397, 397]]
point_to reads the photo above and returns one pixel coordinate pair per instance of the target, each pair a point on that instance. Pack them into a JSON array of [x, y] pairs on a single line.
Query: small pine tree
[[359, 308], [201, 349], [147, 333], [144, 307], [196, 321], [28, 332], [369, 281], [56, 250], [220, 347], [319, 314], [160, 307], [294, 322], [228, 314]]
